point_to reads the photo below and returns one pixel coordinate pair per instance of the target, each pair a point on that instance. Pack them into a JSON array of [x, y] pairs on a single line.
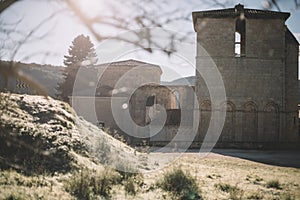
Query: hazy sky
[[50, 41]]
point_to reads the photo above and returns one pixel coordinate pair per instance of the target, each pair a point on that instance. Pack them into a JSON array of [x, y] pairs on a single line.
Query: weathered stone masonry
[[257, 57]]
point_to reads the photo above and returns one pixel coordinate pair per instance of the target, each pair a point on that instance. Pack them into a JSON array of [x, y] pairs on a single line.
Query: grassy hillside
[[43, 142]]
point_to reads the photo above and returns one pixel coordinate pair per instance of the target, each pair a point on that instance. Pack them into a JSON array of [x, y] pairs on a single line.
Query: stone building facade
[[99, 84], [141, 86], [257, 57]]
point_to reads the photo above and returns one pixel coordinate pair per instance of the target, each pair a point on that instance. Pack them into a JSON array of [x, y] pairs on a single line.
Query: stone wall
[[127, 77], [261, 86]]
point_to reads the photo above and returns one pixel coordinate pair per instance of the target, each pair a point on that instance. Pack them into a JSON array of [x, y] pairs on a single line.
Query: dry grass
[[245, 179], [238, 178], [217, 176], [14, 185]]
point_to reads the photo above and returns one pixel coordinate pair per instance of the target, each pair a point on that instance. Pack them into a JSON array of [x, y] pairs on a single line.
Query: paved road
[[285, 158], [279, 158]]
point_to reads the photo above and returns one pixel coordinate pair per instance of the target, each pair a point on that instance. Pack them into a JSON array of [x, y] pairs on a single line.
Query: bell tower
[[257, 57]]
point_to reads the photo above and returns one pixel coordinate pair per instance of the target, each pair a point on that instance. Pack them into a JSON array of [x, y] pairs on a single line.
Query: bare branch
[[296, 4], [4, 4], [276, 5], [35, 29]]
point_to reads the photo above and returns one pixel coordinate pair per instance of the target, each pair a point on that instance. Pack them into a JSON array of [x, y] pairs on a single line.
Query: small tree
[[82, 50]]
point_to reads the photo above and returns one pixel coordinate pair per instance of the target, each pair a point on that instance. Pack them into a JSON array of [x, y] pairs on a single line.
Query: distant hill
[[46, 75], [190, 80]]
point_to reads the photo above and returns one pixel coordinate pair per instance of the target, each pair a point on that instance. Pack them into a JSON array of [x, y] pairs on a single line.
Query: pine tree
[[81, 52]]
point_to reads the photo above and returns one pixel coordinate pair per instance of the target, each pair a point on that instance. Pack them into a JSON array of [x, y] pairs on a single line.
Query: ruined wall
[[179, 109]]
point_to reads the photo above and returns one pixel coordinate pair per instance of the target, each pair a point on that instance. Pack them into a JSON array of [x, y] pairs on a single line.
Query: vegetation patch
[[256, 196], [131, 178], [234, 192], [213, 176], [254, 179], [224, 187], [14, 185], [180, 184], [274, 184], [287, 196], [87, 184], [103, 152]]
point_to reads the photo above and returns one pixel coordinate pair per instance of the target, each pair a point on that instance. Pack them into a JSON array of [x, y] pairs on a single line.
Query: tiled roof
[[237, 11], [129, 62]]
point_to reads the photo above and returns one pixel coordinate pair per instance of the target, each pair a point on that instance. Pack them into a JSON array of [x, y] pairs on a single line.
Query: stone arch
[[250, 122], [205, 105], [271, 122], [229, 105], [228, 131], [205, 115]]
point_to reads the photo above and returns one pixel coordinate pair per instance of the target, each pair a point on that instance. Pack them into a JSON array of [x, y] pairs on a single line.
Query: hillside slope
[[48, 152], [39, 134]]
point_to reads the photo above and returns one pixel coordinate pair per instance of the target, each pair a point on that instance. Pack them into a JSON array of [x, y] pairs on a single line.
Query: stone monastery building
[[257, 57]]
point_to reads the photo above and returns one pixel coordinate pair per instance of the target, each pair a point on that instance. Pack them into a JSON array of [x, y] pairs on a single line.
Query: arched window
[[177, 100], [150, 108], [240, 37], [151, 100], [237, 49]]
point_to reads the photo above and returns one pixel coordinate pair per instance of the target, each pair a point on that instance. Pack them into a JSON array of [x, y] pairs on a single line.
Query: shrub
[[87, 184], [209, 176], [273, 184], [13, 197], [130, 177], [182, 185], [256, 196], [103, 152], [225, 187], [254, 179], [126, 170], [129, 186], [115, 134], [287, 196], [234, 192]]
